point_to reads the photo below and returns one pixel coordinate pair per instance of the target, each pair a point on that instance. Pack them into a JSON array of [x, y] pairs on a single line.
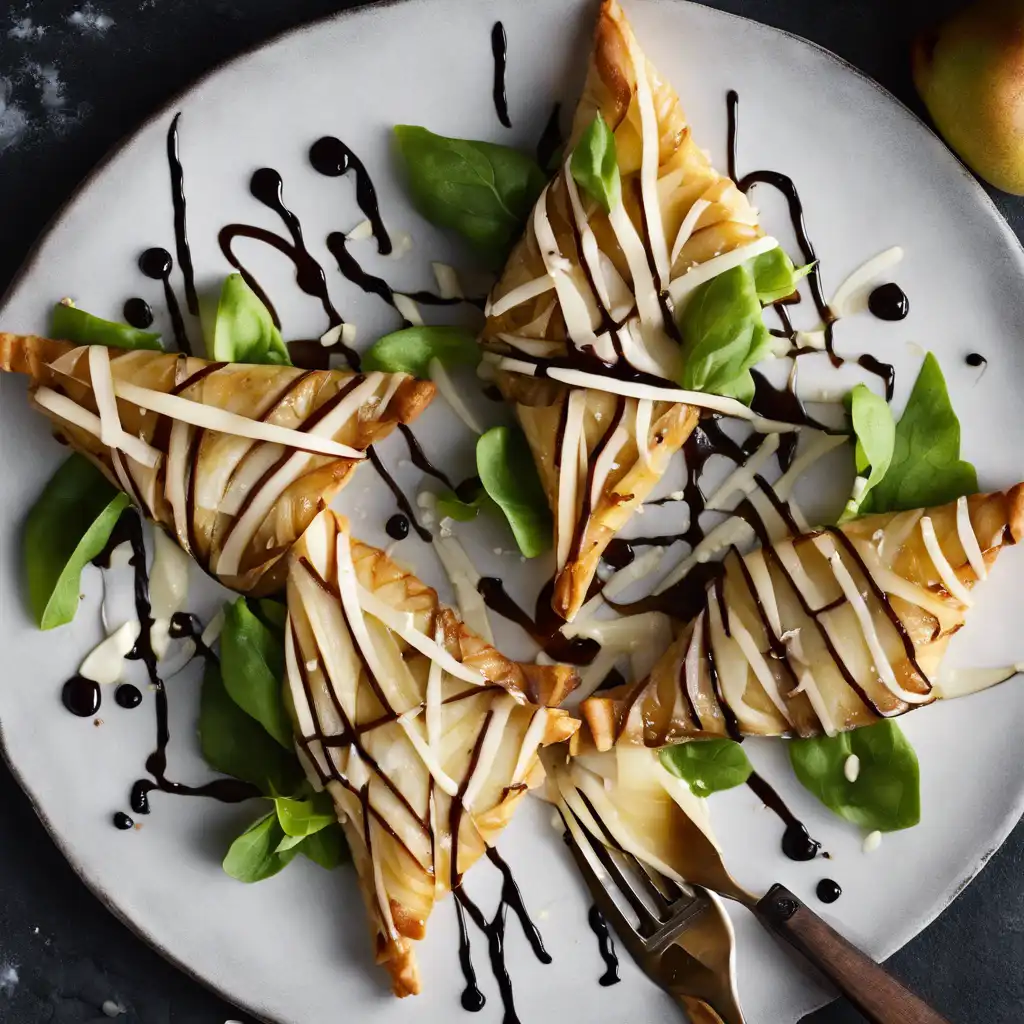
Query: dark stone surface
[[69, 953]]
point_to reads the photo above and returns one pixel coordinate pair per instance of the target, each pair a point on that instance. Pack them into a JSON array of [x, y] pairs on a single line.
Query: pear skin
[[970, 74]]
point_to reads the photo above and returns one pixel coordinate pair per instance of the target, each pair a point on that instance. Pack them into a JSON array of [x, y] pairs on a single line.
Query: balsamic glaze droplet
[[618, 554], [976, 359], [156, 264], [889, 302], [81, 696], [139, 799], [797, 843], [397, 527], [138, 314], [123, 822], [128, 696], [828, 891]]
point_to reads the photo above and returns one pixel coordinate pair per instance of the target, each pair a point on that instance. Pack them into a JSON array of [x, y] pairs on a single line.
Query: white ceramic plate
[[294, 949]]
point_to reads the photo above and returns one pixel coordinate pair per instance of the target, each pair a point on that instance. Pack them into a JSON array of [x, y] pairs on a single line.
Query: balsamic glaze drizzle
[[137, 313], [796, 842], [226, 790], [180, 230], [157, 264], [494, 930], [785, 185], [499, 47], [332, 158], [606, 945], [544, 628]]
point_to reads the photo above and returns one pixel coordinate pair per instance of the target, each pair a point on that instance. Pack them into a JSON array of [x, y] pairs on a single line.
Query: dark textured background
[[70, 92]]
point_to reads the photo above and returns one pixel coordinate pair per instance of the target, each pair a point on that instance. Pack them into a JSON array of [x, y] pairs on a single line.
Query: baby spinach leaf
[[509, 476], [775, 277], [926, 468], [69, 323], [594, 164], [273, 614], [300, 818], [723, 335], [243, 329], [66, 528], [252, 663], [411, 350], [886, 795], [327, 847], [254, 855], [875, 432], [482, 191], [234, 743], [708, 766]]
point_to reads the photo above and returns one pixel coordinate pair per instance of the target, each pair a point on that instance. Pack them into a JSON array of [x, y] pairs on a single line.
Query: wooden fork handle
[[878, 995]]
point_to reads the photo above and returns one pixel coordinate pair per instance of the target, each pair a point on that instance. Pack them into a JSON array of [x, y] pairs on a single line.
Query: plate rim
[[368, 8]]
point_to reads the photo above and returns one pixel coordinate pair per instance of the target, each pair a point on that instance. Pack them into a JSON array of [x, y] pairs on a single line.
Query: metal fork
[[681, 937], [683, 954]]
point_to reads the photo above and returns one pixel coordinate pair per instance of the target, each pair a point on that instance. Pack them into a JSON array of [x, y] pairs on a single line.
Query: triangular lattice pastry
[[233, 460], [426, 737], [820, 632], [582, 312]]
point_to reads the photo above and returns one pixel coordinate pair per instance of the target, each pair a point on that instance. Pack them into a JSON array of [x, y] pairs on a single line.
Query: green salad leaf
[[243, 329], [464, 504], [301, 818], [875, 431], [252, 663], [926, 468], [723, 335], [509, 476], [234, 743], [594, 164], [254, 855], [411, 350], [707, 766], [775, 277], [69, 323], [481, 190], [886, 794], [68, 526], [327, 847]]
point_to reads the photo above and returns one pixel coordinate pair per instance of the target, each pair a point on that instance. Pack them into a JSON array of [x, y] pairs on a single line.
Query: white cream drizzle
[[105, 662], [448, 284], [959, 682], [686, 228]]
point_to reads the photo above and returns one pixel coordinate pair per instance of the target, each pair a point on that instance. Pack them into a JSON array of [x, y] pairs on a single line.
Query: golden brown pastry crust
[[651, 712], [685, 175], [283, 395]]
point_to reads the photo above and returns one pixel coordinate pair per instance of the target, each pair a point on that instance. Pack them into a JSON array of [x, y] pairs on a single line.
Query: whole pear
[[970, 74]]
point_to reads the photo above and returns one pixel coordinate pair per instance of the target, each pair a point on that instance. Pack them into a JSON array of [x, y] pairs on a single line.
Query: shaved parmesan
[[448, 285], [407, 309], [686, 228], [426, 753], [946, 572], [845, 301], [212, 418], [568, 474], [517, 296], [439, 375], [969, 539], [684, 285]]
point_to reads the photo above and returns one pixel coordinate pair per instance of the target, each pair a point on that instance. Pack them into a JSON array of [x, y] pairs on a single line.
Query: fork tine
[[621, 925], [648, 922]]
